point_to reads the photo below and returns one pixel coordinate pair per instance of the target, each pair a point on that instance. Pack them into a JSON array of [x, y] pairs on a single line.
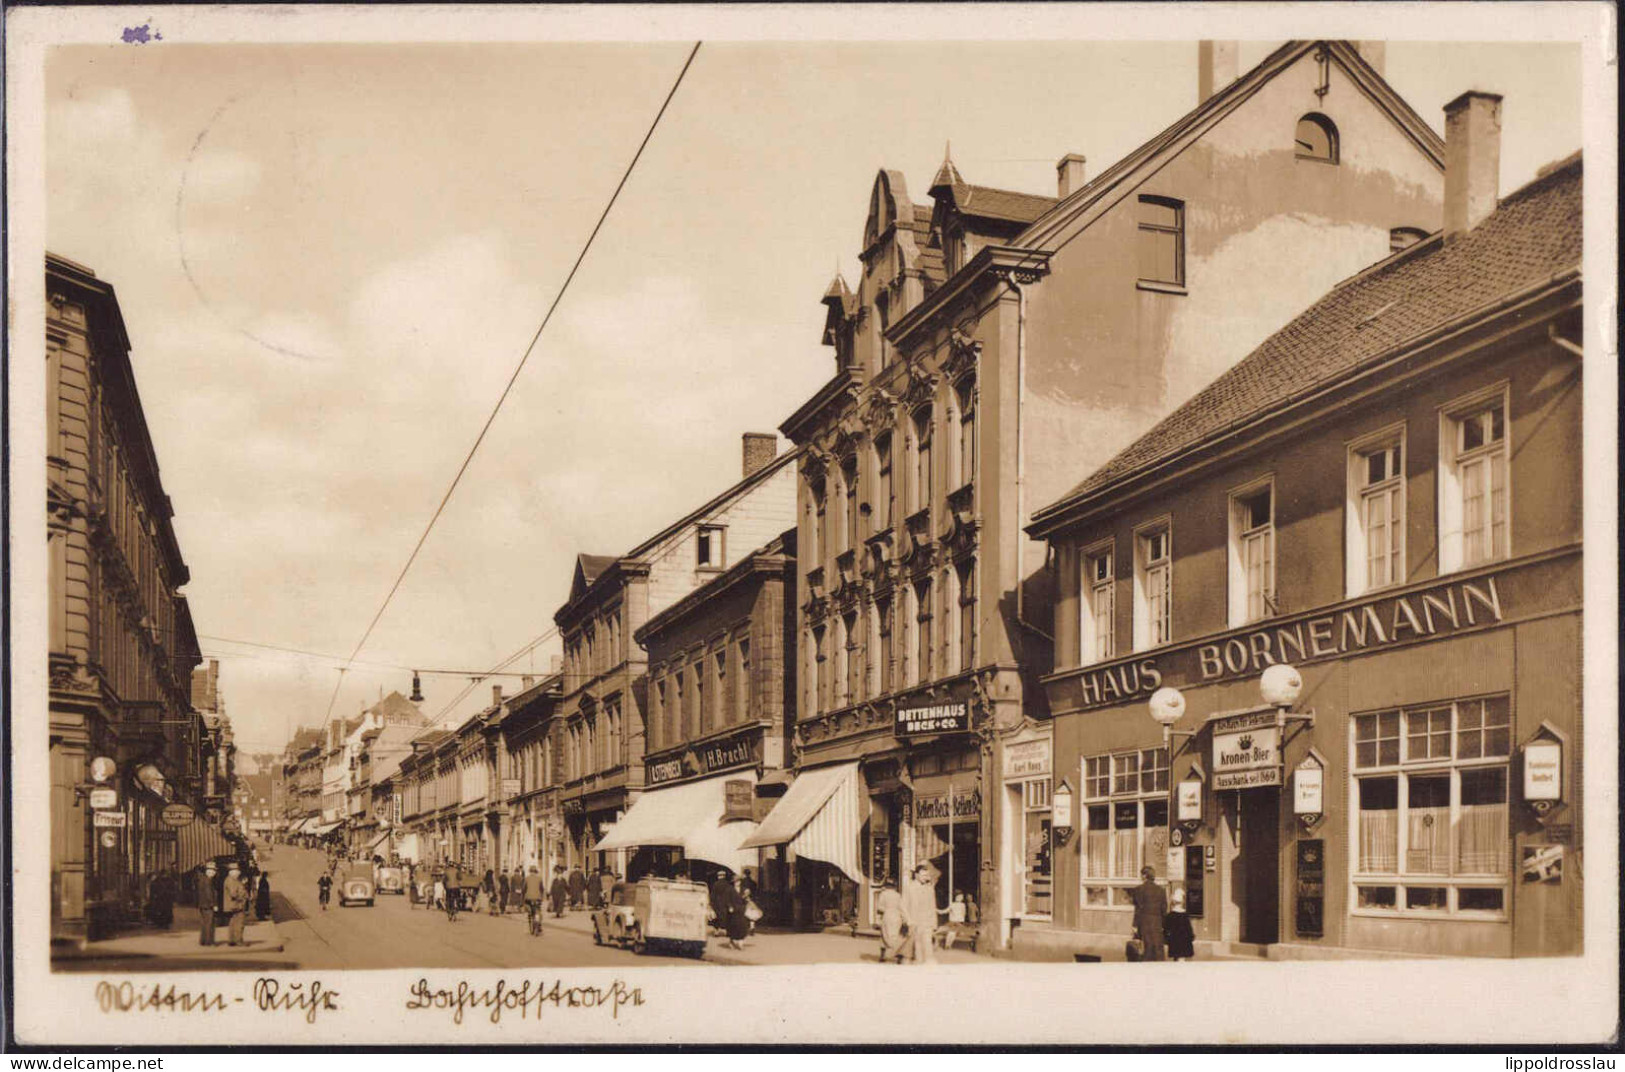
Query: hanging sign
[[1543, 770], [738, 799], [1061, 806], [103, 798], [110, 819], [1246, 751], [109, 839], [1308, 781], [1188, 804]]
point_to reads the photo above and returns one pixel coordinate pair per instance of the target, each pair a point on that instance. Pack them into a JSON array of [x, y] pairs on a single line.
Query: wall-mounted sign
[[110, 819], [939, 718], [1188, 802], [1061, 806], [1543, 864], [667, 770], [936, 808], [1246, 751], [109, 839], [178, 815], [723, 754], [1308, 780], [102, 768], [1027, 759], [103, 798], [1176, 863], [159, 834], [738, 799], [1543, 770]]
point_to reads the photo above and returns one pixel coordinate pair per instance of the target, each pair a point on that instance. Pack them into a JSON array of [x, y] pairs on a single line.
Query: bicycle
[[452, 897], [533, 909]]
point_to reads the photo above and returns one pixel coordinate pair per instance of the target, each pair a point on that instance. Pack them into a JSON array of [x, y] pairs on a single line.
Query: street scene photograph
[[891, 506]]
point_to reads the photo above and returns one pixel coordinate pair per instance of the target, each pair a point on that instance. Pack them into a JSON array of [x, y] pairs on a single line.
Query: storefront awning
[[383, 836], [325, 828], [198, 842], [407, 848], [819, 817], [690, 817]]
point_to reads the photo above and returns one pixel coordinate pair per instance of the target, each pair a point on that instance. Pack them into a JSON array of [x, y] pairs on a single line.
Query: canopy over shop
[[704, 818], [818, 818]]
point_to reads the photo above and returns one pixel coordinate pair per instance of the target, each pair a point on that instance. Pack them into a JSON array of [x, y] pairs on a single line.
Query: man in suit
[[208, 902], [1150, 912], [234, 902]]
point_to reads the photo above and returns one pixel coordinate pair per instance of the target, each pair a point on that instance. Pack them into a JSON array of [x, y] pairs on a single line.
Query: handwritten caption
[[306, 999], [528, 1000]]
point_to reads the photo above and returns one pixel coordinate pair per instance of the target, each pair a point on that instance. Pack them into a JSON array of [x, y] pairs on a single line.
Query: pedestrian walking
[[1150, 913], [559, 891], [606, 882], [720, 889], [890, 907], [578, 887], [324, 889], [234, 902], [920, 912], [732, 918], [1181, 937], [208, 902], [595, 890], [262, 897], [454, 890], [161, 899], [501, 905]]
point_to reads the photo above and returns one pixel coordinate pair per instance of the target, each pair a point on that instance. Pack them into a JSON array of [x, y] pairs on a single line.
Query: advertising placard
[[1543, 771], [1188, 804], [938, 718], [110, 819], [1026, 759], [1308, 789], [1246, 751], [178, 815], [104, 798], [738, 799], [935, 807]]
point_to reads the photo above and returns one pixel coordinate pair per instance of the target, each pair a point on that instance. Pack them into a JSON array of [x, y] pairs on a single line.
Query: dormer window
[[1316, 139], [708, 552], [1404, 238]]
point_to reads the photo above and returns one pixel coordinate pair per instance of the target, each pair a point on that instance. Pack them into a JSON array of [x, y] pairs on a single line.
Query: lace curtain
[[1481, 839], [1379, 842]]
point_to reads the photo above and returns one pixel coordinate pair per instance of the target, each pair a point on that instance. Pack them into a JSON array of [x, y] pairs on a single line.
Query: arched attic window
[[1316, 139]]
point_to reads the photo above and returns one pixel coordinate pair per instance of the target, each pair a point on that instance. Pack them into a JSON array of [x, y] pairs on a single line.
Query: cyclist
[[454, 891], [533, 893], [324, 889]]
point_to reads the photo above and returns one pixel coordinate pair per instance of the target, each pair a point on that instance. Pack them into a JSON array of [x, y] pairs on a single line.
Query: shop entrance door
[[1260, 864]]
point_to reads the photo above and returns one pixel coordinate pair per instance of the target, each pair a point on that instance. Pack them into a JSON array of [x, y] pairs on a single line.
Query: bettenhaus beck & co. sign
[[1246, 750], [938, 718]]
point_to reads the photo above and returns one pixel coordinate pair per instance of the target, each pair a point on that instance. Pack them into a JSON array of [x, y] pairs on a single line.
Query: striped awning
[[198, 842], [820, 817], [383, 836], [691, 816]]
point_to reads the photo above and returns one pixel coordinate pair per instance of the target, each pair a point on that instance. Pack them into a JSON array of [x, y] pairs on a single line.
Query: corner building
[[997, 344], [1386, 496]]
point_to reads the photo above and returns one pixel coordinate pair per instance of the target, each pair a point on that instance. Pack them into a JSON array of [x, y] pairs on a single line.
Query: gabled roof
[[588, 567], [1533, 237]]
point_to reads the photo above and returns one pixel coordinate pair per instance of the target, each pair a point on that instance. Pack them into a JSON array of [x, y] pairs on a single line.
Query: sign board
[[1188, 804], [160, 835], [1246, 751], [667, 770], [110, 818], [1061, 806], [1543, 770], [1308, 796], [1176, 862], [104, 798], [178, 815], [738, 799], [1543, 864], [102, 768], [735, 753], [109, 839], [936, 808], [1027, 759], [939, 718]]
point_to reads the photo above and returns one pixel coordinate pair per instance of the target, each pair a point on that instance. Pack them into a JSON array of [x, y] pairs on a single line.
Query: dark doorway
[[1260, 861]]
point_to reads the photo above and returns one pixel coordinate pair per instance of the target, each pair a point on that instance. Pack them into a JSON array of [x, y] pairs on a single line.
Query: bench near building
[[1385, 496]]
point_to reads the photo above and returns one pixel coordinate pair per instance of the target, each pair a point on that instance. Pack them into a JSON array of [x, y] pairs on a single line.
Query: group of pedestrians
[[908, 918], [225, 898], [734, 911], [1162, 931]]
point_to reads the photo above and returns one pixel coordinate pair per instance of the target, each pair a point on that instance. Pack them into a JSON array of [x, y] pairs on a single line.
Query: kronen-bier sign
[[1379, 623]]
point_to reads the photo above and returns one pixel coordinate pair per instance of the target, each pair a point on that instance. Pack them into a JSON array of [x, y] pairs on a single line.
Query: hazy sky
[[330, 257]]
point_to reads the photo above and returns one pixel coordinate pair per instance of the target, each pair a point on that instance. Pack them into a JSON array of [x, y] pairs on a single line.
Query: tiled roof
[[593, 565], [991, 203], [1534, 234]]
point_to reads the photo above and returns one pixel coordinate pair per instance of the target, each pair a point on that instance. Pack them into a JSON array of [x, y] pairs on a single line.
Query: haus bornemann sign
[[1379, 623]]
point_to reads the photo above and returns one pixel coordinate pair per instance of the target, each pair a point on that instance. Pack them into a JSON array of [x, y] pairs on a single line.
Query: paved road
[[393, 934]]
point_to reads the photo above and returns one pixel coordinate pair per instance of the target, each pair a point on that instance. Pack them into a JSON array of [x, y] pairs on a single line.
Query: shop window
[[1436, 811], [1252, 553], [1036, 849], [1473, 500], [1376, 512], [1153, 587], [1125, 823], [1316, 139], [1162, 241], [883, 483], [1098, 602]]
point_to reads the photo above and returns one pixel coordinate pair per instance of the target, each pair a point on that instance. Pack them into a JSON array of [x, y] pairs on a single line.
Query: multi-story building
[[1356, 559], [996, 343], [371, 795], [427, 839], [718, 701], [302, 776], [602, 703], [124, 741], [527, 786], [256, 814]]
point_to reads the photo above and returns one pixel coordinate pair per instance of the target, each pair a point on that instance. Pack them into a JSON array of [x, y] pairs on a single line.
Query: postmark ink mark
[[141, 35]]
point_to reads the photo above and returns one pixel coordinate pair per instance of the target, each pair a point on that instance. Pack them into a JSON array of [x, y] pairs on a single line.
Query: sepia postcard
[[877, 525]]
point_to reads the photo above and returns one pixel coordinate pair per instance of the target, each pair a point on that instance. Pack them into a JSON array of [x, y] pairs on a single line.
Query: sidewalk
[[180, 940]]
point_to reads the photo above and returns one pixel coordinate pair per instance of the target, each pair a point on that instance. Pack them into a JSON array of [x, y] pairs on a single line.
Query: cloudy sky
[[330, 257]]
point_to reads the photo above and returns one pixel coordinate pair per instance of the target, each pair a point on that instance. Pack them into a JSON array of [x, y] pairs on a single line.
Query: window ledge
[[1160, 288]]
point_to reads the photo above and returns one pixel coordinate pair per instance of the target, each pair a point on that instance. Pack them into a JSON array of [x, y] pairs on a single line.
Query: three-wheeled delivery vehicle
[[664, 913]]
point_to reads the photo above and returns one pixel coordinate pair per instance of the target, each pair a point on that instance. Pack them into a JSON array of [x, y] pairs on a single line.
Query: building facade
[[1386, 497], [528, 723], [602, 705], [996, 343], [124, 740]]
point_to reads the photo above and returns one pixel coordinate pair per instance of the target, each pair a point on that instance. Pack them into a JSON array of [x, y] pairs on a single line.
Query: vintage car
[[656, 913], [355, 884], [390, 879]]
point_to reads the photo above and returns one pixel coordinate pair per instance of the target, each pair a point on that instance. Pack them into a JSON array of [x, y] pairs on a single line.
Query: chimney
[[1472, 160], [1215, 67], [1375, 53], [760, 449], [496, 695], [1069, 174], [526, 681], [555, 664]]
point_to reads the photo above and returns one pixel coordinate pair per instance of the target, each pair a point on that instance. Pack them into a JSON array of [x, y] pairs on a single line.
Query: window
[[820, 658], [1099, 601], [853, 658], [709, 553], [1473, 484], [849, 480], [1316, 139], [921, 490], [967, 616], [1125, 823], [922, 602], [719, 661], [1153, 588], [965, 393], [815, 535], [742, 686], [1430, 789], [1252, 554], [882, 505], [884, 669], [1376, 512], [1162, 241], [838, 676], [1404, 238], [701, 713]]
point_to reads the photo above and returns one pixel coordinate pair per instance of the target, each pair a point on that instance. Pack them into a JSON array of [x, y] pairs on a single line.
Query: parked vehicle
[[661, 913], [355, 884], [390, 880]]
